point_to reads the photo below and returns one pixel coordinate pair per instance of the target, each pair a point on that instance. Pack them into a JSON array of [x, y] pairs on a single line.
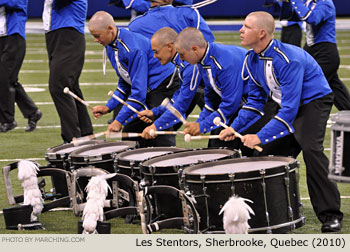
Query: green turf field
[[18, 144]]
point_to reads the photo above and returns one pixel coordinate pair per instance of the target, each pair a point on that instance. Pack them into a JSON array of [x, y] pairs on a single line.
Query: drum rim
[[50, 152], [177, 154], [76, 153], [242, 175], [172, 149]]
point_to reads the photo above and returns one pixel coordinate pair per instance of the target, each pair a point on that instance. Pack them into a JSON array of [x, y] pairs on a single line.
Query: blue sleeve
[[291, 80], [315, 13], [138, 72], [15, 4], [252, 110], [231, 96], [183, 99]]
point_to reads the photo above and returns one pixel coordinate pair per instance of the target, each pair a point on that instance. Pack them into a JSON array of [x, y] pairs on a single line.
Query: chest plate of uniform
[[3, 30], [271, 81], [123, 72], [47, 14], [211, 79]]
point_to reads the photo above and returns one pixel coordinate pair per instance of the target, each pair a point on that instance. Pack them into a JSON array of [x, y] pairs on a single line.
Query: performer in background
[[13, 17], [143, 81], [296, 82], [321, 41], [64, 22]]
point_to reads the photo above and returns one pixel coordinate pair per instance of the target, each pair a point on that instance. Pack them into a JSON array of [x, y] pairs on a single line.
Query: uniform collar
[[263, 52], [114, 42], [175, 58], [159, 6], [205, 56]]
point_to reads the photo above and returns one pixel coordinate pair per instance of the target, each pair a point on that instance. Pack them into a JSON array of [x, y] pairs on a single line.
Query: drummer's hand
[[146, 116], [98, 111], [145, 134], [226, 135], [192, 128], [115, 126], [250, 140]]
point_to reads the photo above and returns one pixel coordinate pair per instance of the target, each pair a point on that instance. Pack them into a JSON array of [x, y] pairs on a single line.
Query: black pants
[[66, 52], [291, 34], [12, 52], [310, 127], [153, 99], [327, 56]]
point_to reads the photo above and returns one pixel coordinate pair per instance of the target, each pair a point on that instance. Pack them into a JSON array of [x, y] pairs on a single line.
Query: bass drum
[[270, 182]]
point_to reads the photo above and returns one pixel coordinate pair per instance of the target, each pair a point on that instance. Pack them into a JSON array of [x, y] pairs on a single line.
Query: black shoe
[[8, 126], [331, 225], [32, 120]]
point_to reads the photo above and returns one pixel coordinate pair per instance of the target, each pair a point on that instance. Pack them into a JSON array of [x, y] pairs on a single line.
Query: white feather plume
[[27, 173], [236, 215], [97, 190]]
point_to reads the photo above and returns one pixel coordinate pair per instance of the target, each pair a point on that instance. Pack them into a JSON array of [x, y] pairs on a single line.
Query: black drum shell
[[130, 167], [219, 188], [339, 165]]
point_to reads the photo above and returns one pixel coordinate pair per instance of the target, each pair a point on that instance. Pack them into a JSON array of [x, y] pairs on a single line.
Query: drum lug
[[232, 179]]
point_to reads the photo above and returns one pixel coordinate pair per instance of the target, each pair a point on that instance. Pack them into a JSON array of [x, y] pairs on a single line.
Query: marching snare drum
[[339, 165], [57, 156], [166, 170], [100, 155], [127, 162], [270, 182]]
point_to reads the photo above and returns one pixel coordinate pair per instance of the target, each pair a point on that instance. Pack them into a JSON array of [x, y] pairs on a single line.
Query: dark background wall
[[221, 8]]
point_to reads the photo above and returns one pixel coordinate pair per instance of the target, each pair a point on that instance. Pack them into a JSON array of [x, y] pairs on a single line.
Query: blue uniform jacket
[[131, 56], [177, 18], [64, 13], [319, 17], [290, 76], [189, 79], [13, 17], [220, 69]]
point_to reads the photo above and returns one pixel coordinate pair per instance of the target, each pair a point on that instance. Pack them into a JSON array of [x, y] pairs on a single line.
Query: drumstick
[[122, 134], [152, 132], [188, 137], [217, 121], [67, 91], [166, 103], [80, 140], [110, 93]]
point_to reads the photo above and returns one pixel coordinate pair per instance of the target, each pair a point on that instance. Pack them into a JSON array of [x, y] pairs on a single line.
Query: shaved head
[[102, 28], [264, 21], [164, 36], [101, 20], [190, 37]]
